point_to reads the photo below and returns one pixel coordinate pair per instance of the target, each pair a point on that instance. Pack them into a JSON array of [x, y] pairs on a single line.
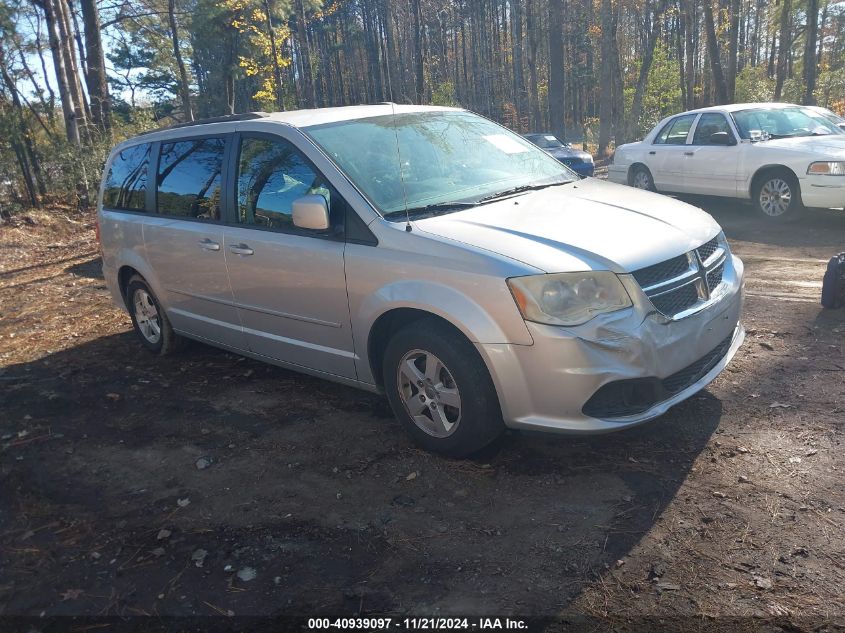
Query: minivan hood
[[828, 145], [584, 225]]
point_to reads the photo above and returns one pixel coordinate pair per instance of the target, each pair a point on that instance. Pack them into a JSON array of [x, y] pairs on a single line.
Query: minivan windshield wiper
[[429, 210], [520, 189]]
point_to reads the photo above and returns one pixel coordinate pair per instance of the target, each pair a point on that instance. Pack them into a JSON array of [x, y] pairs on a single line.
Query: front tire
[[440, 389], [777, 196], [149, 319]]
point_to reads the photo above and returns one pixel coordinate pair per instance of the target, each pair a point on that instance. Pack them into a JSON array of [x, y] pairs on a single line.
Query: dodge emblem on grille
[[701, 273]]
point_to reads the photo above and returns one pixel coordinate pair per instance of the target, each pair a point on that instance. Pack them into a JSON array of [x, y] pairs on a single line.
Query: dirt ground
[[729, 507]]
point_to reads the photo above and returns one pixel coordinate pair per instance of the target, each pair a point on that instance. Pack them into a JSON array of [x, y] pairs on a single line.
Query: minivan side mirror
[[722, 138], [311, 212], [842, 125]]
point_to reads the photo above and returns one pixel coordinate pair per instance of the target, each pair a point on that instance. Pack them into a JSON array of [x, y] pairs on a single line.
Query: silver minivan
[[426, 253]]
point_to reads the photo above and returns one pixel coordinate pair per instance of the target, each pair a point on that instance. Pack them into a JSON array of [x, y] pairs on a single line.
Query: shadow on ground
[[310, 486]]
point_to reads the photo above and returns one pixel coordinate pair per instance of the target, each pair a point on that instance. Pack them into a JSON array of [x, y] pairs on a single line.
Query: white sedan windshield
[[421, 160], [782, 123]]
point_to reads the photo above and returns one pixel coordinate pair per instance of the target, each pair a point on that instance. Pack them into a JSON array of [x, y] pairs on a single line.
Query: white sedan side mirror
[[311, 212]]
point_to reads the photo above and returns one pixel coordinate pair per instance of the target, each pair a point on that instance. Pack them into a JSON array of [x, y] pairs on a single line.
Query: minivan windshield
[[782, 123], [435, 162]]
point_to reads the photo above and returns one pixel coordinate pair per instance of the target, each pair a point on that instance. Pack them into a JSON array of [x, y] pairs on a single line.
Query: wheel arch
[[131, 265], [633, 167], [769, 168], [390, 322]]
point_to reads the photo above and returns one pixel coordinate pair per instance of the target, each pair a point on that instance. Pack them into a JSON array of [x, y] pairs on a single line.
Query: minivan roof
[[293, 118]]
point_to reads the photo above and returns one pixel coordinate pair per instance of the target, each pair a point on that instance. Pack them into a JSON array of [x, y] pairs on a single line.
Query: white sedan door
[[665, 157], [711, 161]]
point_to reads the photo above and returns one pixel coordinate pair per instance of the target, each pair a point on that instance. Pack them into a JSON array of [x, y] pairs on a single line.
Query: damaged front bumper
[[619, 369]]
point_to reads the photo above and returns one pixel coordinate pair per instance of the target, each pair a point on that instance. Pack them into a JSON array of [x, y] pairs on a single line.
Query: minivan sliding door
[[184, 240]]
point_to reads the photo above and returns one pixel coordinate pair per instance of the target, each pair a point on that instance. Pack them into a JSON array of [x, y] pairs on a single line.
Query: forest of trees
[[78, 75]]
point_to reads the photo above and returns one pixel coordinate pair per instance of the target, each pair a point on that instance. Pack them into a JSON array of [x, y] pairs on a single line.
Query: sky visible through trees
[[78, 75]]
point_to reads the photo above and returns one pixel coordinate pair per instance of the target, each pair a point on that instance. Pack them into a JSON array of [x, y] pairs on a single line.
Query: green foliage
[[444, 94], [137, 70], [830, 89], [793, 88], [662, 95], [752, 85]]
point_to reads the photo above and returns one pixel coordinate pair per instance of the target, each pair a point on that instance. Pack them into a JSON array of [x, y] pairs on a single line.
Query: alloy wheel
[[429, 393], [146, 316], [775, 197]]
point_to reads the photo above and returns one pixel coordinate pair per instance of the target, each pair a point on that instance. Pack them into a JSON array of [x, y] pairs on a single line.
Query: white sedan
[[780, 156]]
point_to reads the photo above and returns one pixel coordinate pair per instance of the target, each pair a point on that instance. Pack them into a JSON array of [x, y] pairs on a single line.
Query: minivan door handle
[[241, 249], [689, 153], [652, 153], [208, 245]]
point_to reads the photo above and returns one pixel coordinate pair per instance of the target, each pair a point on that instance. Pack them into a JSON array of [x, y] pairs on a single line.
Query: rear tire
[[149, 319], [440, 390], [640, 178], [776, 196]]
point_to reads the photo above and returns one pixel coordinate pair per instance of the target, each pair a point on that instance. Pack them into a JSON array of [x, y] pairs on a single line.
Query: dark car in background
[[577, 160]]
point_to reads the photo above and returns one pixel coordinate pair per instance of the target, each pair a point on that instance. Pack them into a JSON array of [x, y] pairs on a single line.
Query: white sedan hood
[[585, 225], [826, 146]]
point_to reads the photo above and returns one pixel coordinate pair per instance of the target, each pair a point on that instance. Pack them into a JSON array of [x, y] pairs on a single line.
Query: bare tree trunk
[[811, 38], [733, 43], [419, 53], [689, 14], [40, 50], [632, 128], [305, 51], [557, 111], [95, 78], [184, 87], [713, 50], [69, 109], [784, 46], [518, 79], [533, 96], [71, 68], [22, 138], [606, 88]]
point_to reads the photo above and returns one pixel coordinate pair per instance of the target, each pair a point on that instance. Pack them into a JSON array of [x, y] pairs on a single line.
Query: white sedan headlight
[[568, 298], [831, 168]]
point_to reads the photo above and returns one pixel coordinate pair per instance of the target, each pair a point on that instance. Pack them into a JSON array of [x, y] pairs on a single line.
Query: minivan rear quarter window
[[190, 178], [126, 182]]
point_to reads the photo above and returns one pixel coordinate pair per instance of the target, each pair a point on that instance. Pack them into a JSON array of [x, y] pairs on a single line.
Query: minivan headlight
[[568, 298], [832, 168]]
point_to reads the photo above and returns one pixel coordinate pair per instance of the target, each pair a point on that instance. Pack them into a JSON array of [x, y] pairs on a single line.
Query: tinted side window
[[126, 182], [708, 125], [271, 175], [675, 132], [189, 178]]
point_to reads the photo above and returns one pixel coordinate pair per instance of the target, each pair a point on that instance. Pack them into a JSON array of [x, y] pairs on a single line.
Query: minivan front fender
[[456, 308]]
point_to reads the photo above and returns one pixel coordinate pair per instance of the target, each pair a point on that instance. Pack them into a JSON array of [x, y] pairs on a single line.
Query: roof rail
[[246, 116]]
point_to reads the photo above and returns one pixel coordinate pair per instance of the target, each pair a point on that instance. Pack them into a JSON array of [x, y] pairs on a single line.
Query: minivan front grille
[[676, 301], [706, 250], [661, 272], [714, 277], [677, 285]]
